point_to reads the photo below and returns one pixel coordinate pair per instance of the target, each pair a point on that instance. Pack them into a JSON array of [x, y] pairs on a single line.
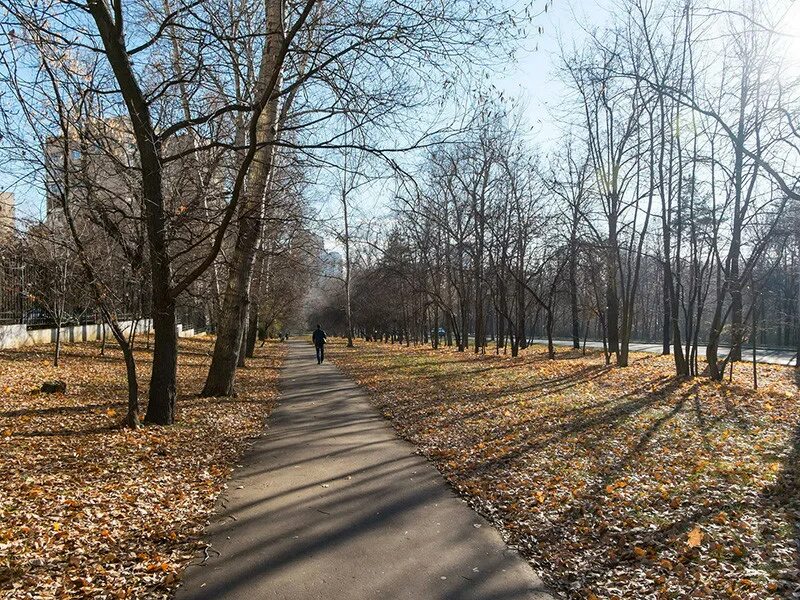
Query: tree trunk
[[235, 302], [243, 343], [161, 398], [573, 289], [57, 354], [132, 416], [665, 326], [161, 404], [612, 297], [521, 341], [252, 331], [347, 288], [479, 319], [797, 317]]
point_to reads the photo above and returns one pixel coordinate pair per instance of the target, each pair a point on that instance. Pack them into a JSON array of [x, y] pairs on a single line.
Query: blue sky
[[533, 79]]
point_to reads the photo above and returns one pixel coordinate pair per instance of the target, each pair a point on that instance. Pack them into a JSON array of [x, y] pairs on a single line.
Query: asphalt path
[[331, 504]]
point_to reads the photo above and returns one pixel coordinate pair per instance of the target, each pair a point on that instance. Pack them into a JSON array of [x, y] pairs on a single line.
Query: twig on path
[[205, 553]]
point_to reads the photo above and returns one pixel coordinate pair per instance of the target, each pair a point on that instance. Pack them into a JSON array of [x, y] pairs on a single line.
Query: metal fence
[[15, 304]]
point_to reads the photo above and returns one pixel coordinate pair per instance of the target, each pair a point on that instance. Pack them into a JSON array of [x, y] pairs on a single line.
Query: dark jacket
[[318, 337]]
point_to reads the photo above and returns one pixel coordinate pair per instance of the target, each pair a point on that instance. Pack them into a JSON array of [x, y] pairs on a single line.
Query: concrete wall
[[18, 336]]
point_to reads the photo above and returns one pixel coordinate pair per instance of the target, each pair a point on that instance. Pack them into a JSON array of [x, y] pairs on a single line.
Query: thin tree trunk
[[573, 285], [57, 354], [161, 400], [233, 318], [612, 297]]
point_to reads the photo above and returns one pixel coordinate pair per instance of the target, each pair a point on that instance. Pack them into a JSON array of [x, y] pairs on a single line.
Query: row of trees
[[669, 213], [176, 138]]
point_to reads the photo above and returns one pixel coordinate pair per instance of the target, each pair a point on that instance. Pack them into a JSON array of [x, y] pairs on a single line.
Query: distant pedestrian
[[319, 337]]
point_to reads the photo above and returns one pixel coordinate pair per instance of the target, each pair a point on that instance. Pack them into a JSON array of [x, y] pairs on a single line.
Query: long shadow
[[784, 496], [596, 424], [594, 420], [58, 410], [556, 384], [298, 523], [547, 387], [67, 432], [362, 509]]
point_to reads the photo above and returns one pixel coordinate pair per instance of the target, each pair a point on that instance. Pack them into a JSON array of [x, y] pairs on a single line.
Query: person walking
[[319, 337]]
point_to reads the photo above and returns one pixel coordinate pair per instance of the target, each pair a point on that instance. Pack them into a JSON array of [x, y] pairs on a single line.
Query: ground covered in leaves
[[89, 509], [615, 483]]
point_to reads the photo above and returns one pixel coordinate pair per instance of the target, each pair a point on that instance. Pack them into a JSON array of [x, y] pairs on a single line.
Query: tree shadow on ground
[[64, 410], [587, 508], [784, 495], [585, 422], [86, 431]]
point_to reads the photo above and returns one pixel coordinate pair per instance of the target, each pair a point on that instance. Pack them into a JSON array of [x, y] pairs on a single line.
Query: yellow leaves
[[157, 566], [721, 518], [695, 538], [648, 452], [737, 551], [82, 498]]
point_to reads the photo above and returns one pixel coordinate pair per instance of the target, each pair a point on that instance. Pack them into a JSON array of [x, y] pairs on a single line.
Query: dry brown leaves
[[615, 483], [88, 509]]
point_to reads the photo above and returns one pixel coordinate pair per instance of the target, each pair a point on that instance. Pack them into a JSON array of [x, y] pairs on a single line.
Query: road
[[773, 357]]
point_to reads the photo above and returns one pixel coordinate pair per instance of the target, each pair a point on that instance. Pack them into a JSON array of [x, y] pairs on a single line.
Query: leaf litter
[[90, 509], [614, 483]]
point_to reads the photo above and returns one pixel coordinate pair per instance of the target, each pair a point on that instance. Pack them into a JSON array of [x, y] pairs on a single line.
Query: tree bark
[[232, 321], [161, 398], [573, 289], [612, 296], [252, 331]]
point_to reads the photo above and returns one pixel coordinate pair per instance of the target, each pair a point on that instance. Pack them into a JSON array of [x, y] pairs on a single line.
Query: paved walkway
[[763, 355], [330, 504]]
